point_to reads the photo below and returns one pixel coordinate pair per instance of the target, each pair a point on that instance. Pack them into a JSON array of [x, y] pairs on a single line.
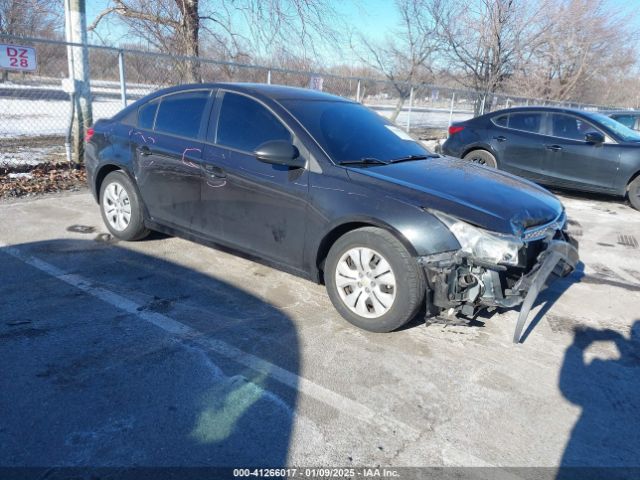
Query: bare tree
[[180, 26], [403, 57], [485, 40], [584, 46], [171, 26]]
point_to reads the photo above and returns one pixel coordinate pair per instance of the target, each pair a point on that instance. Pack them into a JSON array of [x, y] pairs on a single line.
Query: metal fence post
[[123, 81], [410, 108], [269, 77], [77, 29], [453, 99]]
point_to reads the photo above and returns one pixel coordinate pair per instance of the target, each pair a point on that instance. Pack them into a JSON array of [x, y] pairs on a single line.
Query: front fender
[[346, 206]]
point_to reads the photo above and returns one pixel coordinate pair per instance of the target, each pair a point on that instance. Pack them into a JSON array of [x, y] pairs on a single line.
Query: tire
[[118, 192], [362, 308], [481, 157], [633, 191]]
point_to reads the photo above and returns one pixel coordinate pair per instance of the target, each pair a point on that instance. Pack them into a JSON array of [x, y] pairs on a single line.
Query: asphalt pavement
[[163, 353]]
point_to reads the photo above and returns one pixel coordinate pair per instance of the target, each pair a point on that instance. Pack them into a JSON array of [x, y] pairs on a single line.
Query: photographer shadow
[[605, 441]]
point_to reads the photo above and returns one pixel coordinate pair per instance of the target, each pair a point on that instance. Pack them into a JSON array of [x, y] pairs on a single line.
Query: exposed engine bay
[[461, 285]]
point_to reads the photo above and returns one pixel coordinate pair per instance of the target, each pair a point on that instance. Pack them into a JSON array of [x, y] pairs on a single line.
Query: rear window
[[181, 114], [146, 115], [502, 120]]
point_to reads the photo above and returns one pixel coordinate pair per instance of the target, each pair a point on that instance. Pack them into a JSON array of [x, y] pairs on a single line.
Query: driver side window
[[244, 124], [570, 127]]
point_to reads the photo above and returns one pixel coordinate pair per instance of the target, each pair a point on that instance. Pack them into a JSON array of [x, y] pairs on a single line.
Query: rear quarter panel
[[475, 135]]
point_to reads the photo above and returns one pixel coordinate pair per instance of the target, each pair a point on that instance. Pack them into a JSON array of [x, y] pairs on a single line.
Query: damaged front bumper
[[461, 285]]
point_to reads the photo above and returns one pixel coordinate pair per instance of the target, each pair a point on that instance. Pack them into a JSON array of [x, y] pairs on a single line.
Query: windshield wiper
[[410, 158], [364, 161]]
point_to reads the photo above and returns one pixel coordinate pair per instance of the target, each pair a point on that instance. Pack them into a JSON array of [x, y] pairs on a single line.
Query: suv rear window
[[181, 114]]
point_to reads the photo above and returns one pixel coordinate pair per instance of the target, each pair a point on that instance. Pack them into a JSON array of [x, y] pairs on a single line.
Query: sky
[[367, 16], [373, 18]]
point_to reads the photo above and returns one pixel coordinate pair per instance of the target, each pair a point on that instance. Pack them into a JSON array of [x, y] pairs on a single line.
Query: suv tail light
[[453, 129], [90, 132]]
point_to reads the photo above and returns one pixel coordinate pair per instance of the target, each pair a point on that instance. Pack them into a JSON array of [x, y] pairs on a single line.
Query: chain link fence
[[35, 109]]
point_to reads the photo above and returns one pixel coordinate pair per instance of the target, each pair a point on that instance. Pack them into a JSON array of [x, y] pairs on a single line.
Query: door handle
[[213, 171], [144, 151], [555, 148], [500, 138]]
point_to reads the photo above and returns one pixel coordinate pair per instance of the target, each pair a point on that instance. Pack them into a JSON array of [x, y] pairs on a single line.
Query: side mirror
[[279, 152], [594, 138]]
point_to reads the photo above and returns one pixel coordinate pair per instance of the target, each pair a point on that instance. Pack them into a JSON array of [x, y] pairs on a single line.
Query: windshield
[[625, 133], [348, 131]]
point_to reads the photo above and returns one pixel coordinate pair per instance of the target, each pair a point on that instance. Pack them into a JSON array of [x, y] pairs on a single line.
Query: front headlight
[[487, 246]]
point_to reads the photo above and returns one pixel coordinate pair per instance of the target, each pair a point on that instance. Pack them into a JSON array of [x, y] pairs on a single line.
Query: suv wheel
[[482, 157], [373, 281], [634, 193], [121, 208]]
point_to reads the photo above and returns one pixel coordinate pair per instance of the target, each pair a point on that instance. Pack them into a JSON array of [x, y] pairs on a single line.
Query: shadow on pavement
[[605, 441], [97, 378]]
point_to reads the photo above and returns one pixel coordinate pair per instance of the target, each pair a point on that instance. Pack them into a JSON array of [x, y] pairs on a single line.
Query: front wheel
[[121, 208], [373, 281], [634, 193], [481, 157]]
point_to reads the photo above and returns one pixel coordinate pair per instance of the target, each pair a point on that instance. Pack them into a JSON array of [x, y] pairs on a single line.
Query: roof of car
[[621, 112], [543, 108], [275, 92]]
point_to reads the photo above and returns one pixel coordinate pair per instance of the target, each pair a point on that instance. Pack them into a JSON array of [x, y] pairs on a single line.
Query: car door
[[517, 140], [572, 161], [168, 157], [254, 206]]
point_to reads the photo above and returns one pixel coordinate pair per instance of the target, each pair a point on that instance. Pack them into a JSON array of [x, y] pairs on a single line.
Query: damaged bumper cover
[[460, 284]]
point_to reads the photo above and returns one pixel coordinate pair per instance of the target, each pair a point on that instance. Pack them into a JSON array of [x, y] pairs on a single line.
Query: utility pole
[[76, 32]]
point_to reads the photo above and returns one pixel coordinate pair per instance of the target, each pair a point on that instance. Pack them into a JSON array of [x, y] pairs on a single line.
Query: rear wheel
[[481, 157], [373, 281], [634, 193], [121, 208]]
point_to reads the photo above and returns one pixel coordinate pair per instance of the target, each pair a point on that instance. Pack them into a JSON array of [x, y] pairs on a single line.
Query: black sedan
[[557, 147], [327, 189]]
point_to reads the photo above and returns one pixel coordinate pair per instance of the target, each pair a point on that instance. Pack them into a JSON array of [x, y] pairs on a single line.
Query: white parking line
[[451, 455], [286, 377]]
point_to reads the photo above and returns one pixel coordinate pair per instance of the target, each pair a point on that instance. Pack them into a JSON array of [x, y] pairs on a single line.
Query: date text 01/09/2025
[[315, 472]]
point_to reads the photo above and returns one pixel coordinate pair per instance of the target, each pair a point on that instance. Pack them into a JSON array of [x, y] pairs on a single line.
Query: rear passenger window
[[181, 114], [525, 121], [501, 121], [244, 124], [146, 115]]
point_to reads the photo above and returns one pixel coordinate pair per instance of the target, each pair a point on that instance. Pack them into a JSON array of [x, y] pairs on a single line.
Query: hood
[[482, 196]]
